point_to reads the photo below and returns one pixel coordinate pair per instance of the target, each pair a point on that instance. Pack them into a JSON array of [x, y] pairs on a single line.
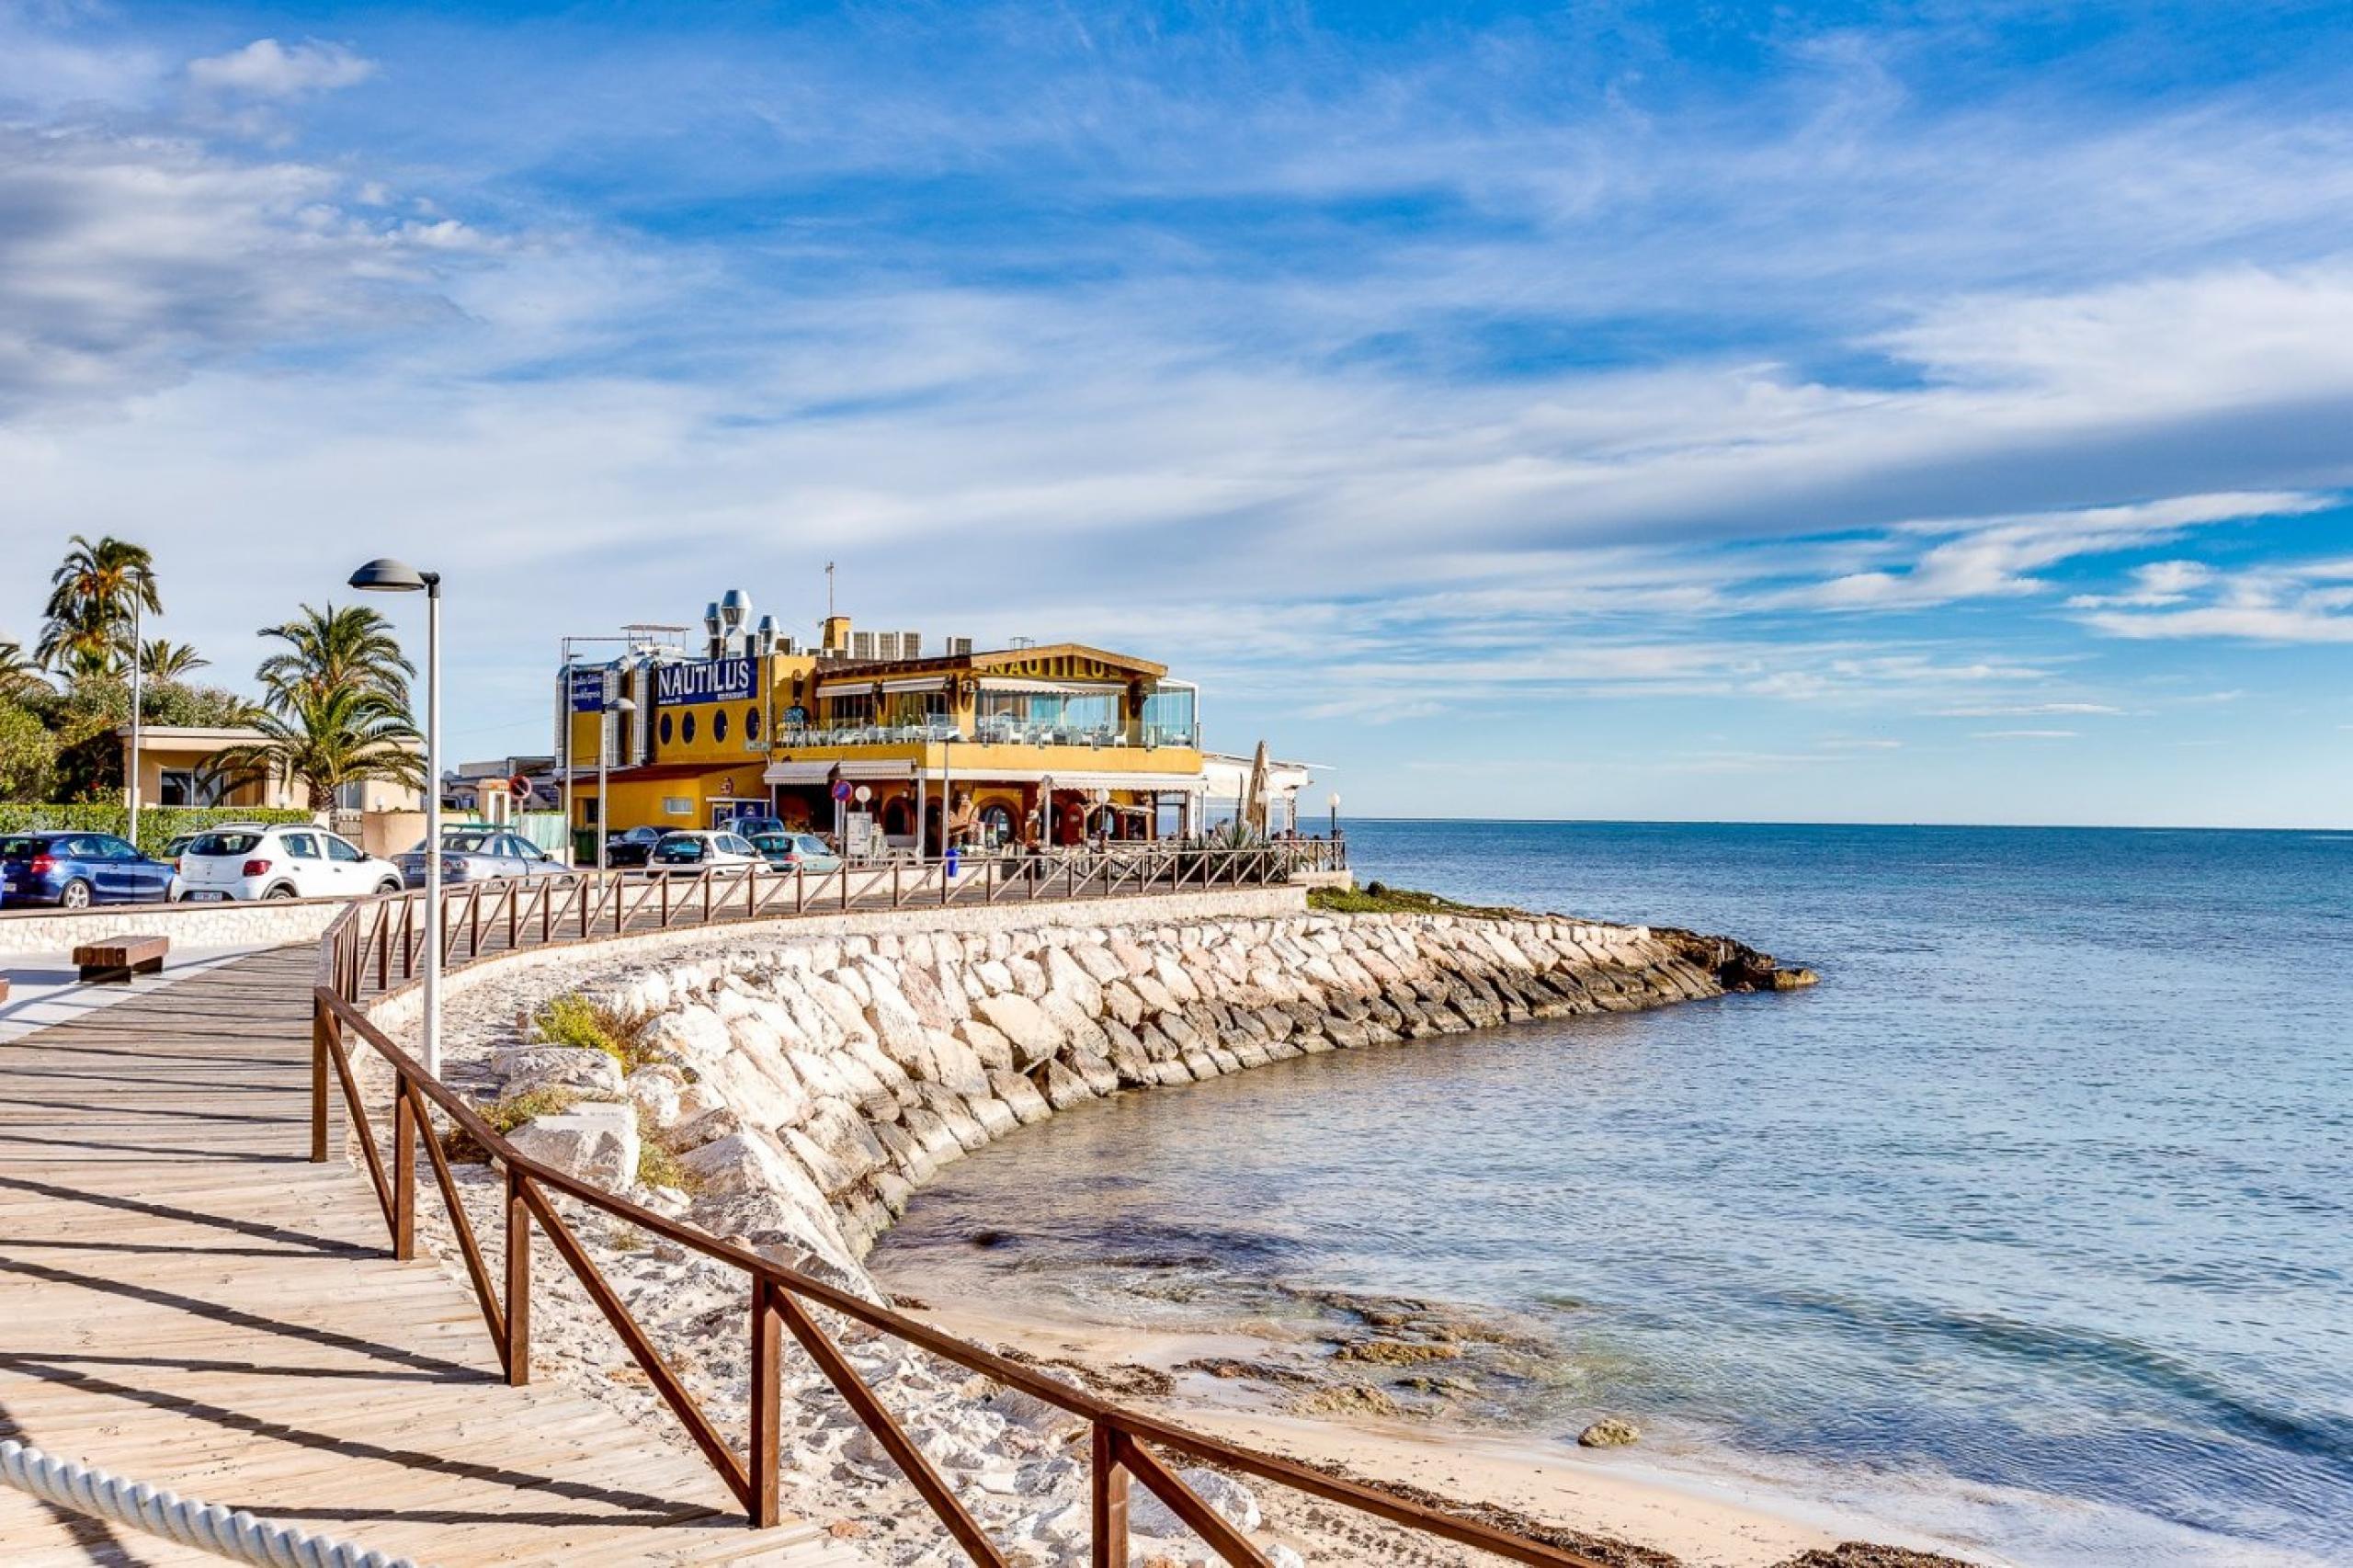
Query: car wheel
[[387, 885], [74, 894], [282, 890]]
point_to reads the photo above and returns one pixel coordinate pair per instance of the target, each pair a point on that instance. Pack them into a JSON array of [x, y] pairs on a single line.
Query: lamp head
[[386, 576], [622, 705]]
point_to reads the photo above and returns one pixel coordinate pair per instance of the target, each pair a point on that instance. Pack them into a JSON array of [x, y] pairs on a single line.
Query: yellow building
[[1057, 743]]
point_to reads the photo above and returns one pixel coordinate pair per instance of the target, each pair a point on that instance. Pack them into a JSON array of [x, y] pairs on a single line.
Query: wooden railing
[[1125, 1445], [383, 944]]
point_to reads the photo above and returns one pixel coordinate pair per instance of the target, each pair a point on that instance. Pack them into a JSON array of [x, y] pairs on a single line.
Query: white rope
[[208, 1528]]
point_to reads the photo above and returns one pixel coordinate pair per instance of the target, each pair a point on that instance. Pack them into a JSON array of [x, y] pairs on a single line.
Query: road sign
[[519, 787], [841, 789]]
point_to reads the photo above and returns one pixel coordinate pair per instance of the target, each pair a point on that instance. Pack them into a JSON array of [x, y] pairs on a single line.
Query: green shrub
[[158, 826], [573, 1019], [1379, 897]]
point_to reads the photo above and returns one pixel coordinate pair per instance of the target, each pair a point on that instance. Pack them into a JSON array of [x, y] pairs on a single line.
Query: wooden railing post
[[1110, 1507], [319, 1023], [768, 1424], [517, 1351], [403, 1170]]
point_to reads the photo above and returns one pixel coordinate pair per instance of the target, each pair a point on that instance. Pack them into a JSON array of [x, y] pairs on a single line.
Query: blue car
[[74, 870]]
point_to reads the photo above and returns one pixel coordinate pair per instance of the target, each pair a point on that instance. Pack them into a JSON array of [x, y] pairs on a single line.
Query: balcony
[[1099, 737]]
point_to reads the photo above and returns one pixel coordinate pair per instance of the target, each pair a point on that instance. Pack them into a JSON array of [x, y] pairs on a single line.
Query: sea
[[2029, 1230]]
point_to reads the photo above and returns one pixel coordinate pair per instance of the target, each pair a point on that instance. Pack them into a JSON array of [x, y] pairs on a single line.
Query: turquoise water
[[2031, 1226]]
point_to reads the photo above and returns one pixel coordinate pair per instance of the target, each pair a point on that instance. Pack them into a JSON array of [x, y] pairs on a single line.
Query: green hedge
[[158, 826]]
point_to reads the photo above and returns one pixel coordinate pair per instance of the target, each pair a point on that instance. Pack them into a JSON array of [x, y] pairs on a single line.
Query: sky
[[1938, 413]]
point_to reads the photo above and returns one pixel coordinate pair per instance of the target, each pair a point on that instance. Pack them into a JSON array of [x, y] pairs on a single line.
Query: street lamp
[[604, 750], [1336, 813], [385, 576]]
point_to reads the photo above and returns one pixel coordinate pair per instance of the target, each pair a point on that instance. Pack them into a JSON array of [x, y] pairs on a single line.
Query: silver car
[[482, 855]]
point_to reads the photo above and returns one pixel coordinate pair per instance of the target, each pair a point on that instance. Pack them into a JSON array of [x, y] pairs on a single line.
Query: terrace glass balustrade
[[1000, 731]]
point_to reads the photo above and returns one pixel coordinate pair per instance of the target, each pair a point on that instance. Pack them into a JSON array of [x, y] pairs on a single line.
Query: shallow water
[[2029, 1226]]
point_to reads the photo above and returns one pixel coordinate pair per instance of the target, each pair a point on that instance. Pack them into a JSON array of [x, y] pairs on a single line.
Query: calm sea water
[[2031, 1226]]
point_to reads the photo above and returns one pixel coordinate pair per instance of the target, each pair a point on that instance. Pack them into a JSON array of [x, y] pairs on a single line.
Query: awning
[[861, 687], [1051, 687], [819, 772]]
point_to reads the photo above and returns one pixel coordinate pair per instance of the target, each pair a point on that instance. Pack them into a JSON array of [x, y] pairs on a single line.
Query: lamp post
[[136, 661], [1336, 813], [605, 750], [385, 576]]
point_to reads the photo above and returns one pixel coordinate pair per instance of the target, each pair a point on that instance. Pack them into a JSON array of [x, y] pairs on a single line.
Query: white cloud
[[2024, 736], [269, 69], [2311, 603], [1992, 557], [2025, 709], [127, 260], [2158, 583]]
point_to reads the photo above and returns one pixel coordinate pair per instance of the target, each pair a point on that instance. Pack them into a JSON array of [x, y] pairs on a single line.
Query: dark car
[[753, 827], [632, 847], [74, 870]]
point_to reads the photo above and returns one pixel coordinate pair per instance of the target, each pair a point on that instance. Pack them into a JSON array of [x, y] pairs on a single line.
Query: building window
[[751, 723], [718, 725], [677, 805], [666, 729], [687, 730], [996, 823]]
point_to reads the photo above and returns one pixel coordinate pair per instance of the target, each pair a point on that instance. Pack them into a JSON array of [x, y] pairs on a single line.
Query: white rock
[[1024, 1025], [529, 1067], [1231, 1501], [596, 1142]]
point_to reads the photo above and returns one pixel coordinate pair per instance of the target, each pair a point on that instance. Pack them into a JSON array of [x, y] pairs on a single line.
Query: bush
[[573, 1019], [27, 756], [158, 826]]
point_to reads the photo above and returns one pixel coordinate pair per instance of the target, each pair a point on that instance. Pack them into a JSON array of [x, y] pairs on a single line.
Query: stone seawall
[[801, 1086]]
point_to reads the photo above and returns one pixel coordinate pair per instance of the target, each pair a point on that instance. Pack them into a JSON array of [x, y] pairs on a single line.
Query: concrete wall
[[265, 924]]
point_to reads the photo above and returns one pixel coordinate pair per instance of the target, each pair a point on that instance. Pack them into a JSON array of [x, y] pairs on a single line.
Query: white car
[[281, 862], [690, 850]]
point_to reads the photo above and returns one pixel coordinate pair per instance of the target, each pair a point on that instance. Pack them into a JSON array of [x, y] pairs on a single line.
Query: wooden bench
[[115, 960]]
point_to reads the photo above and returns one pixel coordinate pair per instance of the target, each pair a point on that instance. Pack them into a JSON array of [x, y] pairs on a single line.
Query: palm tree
[[163, 659], [327, 739], [335, 650], [20, 675], [90, 599]]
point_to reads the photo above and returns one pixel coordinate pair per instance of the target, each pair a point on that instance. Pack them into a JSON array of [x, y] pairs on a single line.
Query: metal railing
[[1125, 1444]]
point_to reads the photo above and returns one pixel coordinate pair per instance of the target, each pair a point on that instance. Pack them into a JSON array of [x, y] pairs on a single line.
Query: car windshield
[[225, 843], [465, 843], [774, 844], [810, 844]]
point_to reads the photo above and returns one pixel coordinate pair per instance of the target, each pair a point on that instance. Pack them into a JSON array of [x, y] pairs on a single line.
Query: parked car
[[691, 850], [482, 855], [174, 847], [291, 862], [753, 827], [796, 851], [74, 870], [632, 847]]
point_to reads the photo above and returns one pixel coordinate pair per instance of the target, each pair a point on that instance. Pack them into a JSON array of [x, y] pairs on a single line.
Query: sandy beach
[[1603, 1499]]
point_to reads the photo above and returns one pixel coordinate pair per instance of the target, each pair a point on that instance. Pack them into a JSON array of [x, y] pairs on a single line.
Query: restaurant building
[[881, 733]]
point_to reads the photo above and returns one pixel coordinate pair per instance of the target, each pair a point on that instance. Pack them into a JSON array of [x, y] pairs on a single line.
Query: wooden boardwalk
[[184, 1300]]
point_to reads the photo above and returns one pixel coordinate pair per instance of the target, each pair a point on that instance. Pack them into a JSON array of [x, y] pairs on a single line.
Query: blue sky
[[1935, 413]]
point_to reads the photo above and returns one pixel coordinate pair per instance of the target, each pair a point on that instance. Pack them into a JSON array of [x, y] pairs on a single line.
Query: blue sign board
[[590, 688], [704, 680]]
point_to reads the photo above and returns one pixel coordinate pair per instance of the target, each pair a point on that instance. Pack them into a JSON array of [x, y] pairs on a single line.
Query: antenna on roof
[[829, 590]]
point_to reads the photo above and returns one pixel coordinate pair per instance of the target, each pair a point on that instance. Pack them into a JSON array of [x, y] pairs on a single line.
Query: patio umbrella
[[1254, 799]]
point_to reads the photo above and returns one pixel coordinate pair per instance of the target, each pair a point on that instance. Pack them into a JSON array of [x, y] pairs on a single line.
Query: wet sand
[[1613, 1496]]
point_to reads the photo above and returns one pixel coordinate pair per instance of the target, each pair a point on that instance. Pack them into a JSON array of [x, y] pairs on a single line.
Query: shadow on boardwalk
[[184, 1300]]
